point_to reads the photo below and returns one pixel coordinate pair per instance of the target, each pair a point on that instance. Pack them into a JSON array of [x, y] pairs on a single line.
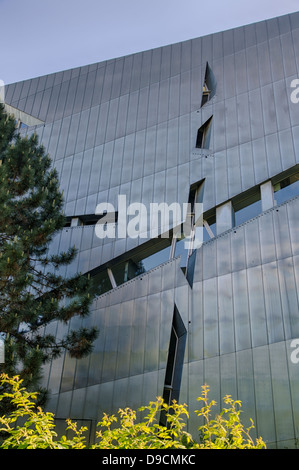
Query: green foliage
[[29, 427], [34, 289], [226, 430]]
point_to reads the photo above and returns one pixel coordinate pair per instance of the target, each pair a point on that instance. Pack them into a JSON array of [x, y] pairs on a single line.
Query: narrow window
[[175, 361], [100, 283], [204, 135], [209, 86]]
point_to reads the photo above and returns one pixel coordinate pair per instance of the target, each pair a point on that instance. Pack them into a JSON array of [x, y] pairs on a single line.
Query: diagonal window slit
[[175, 361], [204, 135]]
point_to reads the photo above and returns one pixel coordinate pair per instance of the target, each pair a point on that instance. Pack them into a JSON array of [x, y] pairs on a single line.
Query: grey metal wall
[[128, 126]]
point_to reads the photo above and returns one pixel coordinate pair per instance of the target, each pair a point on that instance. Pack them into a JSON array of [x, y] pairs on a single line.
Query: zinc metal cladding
[[129, 126]]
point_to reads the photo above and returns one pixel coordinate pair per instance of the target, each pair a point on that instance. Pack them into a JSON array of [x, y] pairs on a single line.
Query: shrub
[[29, 427]]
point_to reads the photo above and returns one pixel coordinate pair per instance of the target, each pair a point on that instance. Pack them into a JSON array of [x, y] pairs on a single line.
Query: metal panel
[[281, 232], [289, 297], [264, 63], [281, 392], [221, 183], [210, 305], [231, 129], [71, 95], [245, 387], [138, 155], [228, 385], [155, 65], [131, 119], [241, 310], [272, 303], [112, 332], [287, 148], [252, 67], [218, 127], [151, 357], [256, 114], [224, 255], [106, 91], [257, 307], [111, 120], [72, 136], [100, 316], [125, 340], [116, 79], [92, 126], [209, 263], [54, 138], [149, 152], [62, 140], [259, 160], [98, 86], [145, 68], [250, 35], [138, 336], [267, 240], [226, 315], [117, 163], [240, 72], [265, 421], [61, 100], [228, 43], [64, 405], [96, 170], [281, 104], [122, 116], [85, 173]]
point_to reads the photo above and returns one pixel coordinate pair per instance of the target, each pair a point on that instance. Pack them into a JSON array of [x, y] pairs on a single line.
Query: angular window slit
[[209, 86], [204, 135], [175, 361]]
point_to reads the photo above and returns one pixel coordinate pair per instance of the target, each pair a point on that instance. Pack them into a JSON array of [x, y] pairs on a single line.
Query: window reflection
[[286, 189], [247, 208], [156, 259], [248, 212], [100, 283], [126, 271], [181, 251]]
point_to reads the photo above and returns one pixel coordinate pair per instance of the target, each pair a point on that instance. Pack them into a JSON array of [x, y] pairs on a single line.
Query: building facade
[[214, 121]]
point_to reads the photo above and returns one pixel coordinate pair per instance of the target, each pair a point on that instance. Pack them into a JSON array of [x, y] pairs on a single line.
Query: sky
[[39, 37]]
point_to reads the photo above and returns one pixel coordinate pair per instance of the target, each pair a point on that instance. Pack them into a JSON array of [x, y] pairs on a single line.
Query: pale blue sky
[[44, 36]]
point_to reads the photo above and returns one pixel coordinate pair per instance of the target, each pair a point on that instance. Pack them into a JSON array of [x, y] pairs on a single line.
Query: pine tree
[[33, 289]]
